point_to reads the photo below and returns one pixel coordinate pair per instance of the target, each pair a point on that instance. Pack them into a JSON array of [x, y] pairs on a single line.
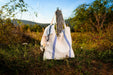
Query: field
[[21, 55], [91, 26]]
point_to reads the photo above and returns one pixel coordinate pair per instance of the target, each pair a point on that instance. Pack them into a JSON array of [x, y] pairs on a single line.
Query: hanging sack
[[57, 47]]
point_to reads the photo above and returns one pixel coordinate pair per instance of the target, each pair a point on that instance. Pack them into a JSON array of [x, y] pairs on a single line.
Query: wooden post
[[59, 21]]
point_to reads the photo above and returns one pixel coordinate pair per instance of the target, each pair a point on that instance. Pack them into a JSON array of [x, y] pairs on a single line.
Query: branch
[[103, 19], [97, 18]]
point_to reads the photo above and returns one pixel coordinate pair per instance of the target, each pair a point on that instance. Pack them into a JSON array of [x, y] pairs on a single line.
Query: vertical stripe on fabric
[[67, 43], [49, 32], [53, 53]]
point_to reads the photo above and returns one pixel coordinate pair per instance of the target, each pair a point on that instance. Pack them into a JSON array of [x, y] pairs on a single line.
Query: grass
[[93, 56], [85, 63]]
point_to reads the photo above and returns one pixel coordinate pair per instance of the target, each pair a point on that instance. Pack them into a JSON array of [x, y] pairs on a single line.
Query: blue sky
[[46, 9]]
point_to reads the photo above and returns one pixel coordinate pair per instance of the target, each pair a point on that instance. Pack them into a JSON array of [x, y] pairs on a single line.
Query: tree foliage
[[32, 28], [93, 17], [13, 7]]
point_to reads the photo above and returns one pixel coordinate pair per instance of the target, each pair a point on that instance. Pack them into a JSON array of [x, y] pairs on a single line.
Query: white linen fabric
[[57, 47]]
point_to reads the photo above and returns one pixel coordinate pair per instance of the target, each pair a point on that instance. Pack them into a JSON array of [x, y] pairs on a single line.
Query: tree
[[94, 16], [13, 7]]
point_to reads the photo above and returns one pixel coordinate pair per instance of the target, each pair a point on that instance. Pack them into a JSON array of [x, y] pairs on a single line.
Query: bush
[[92, 41], [9, 34], [19, 58]]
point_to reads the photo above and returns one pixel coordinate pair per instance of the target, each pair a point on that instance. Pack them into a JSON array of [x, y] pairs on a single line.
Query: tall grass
[[93, 53]]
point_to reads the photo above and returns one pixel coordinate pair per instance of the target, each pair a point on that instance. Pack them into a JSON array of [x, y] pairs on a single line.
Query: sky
[[46, 9]]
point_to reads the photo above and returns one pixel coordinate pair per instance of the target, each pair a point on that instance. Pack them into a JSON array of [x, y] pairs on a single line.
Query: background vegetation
[[92, 35]]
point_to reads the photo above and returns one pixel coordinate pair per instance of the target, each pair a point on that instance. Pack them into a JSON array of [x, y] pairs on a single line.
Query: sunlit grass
[[21, 54]]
